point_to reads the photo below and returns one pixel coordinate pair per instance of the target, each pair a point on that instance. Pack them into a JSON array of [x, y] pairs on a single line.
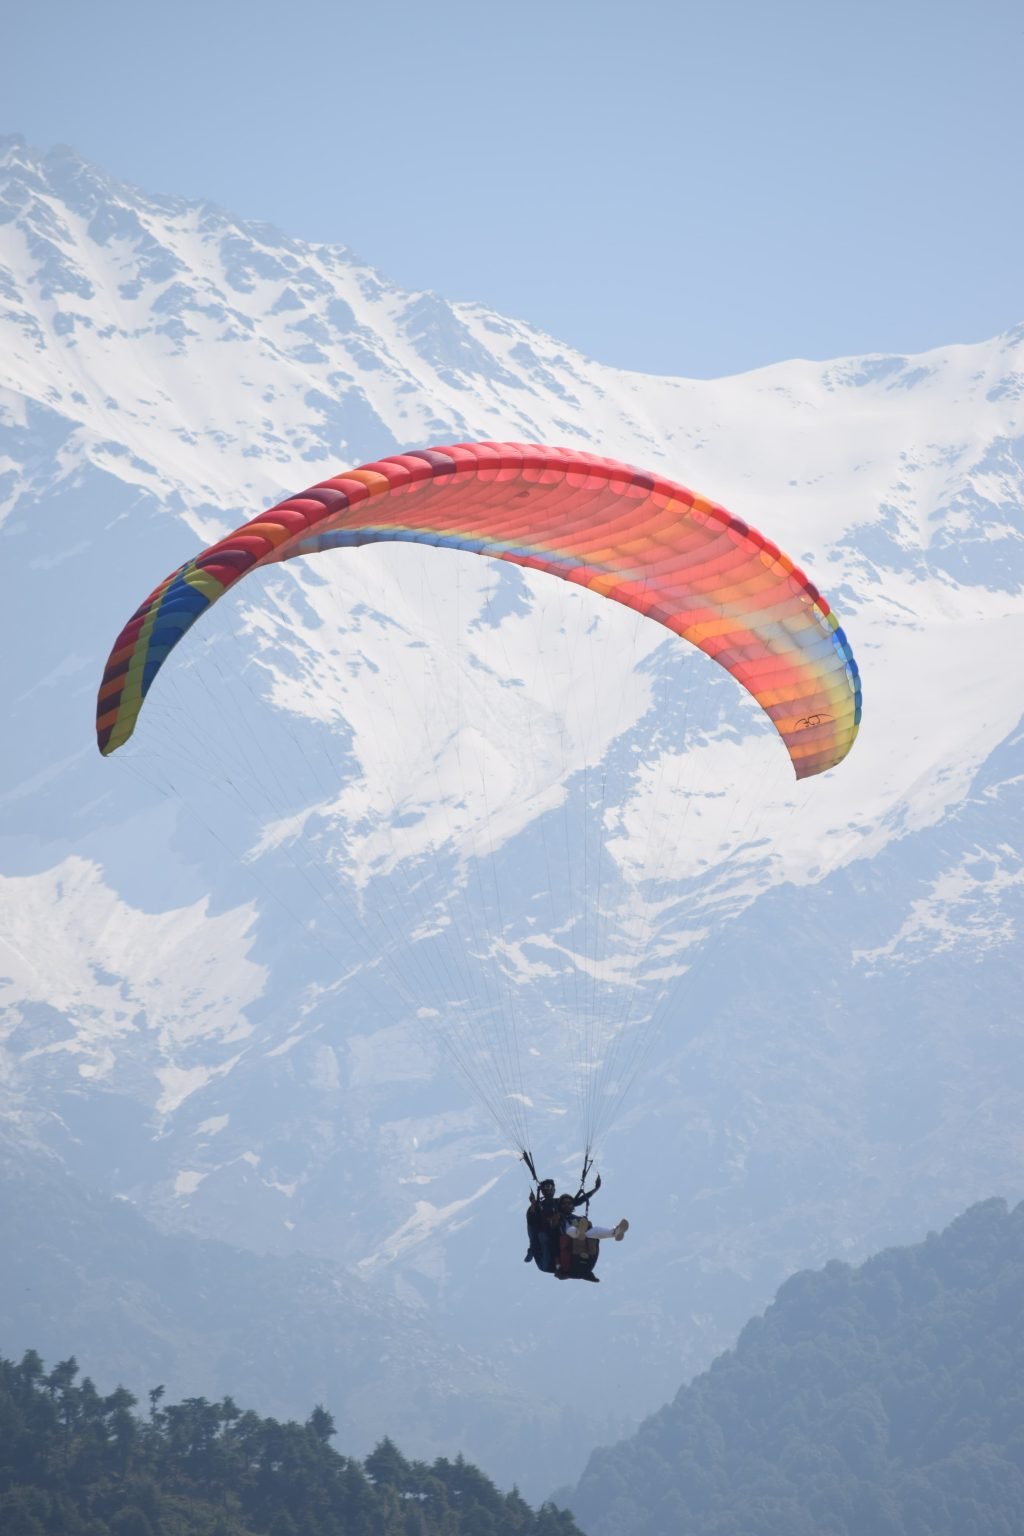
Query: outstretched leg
[[585, 1229]]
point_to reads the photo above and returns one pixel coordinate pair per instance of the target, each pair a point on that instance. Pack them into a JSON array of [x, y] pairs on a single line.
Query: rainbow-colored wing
[[631, 536]]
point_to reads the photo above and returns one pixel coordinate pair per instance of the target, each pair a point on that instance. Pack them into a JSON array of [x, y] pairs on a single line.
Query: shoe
[[588, 1274], [529, 1255], [620, 1229]]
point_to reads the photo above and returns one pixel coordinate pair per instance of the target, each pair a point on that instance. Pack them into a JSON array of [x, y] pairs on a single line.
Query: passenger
[[579, 1240]]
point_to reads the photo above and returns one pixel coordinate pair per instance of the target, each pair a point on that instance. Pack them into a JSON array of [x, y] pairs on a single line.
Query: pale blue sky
[[669, 187]]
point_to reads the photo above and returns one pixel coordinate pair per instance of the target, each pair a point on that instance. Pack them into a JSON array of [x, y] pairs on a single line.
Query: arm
[[587, 1194]]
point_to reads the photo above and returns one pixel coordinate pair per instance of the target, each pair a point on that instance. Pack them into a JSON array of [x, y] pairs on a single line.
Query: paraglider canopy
[[632, 536]]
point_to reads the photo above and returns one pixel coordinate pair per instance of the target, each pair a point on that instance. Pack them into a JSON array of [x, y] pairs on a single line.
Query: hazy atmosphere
[[669, 852]]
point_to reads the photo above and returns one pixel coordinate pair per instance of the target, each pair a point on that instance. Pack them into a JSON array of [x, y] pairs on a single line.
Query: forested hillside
[[74, 1462], [886, 1400]]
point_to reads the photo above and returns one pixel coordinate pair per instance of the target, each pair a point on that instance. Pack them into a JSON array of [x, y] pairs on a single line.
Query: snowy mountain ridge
[[165, 371]]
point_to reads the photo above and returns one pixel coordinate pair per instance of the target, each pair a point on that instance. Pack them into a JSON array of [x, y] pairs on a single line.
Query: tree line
[[76, 1462]]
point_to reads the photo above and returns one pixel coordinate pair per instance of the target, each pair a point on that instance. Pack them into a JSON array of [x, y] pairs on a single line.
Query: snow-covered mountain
[[840, 1067]]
